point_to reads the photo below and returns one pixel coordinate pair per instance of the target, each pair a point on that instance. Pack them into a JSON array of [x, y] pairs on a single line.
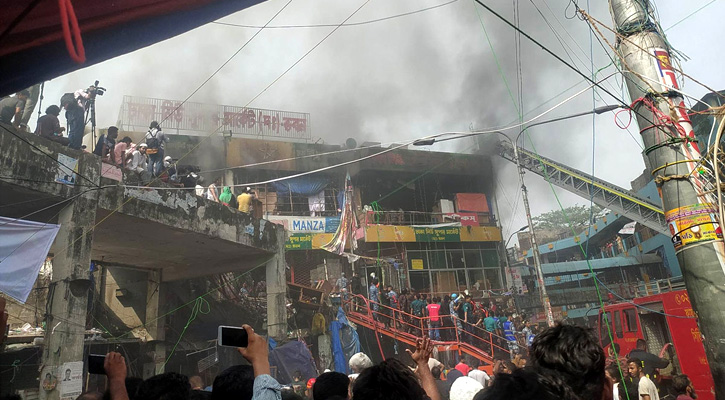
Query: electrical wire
[[55, 159], [218, 128], [333, 25], [329, 167], [225, 63]]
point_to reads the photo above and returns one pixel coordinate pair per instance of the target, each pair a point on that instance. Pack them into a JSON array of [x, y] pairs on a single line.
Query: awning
[[33, 48]]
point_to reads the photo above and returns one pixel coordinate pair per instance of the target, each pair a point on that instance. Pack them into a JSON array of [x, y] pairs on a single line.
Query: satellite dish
[[350, 143]]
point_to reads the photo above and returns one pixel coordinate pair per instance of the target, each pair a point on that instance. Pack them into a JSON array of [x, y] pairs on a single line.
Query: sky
[[417, 75]]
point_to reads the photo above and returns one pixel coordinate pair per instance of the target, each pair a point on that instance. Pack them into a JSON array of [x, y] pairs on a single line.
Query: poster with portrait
[[70, 380]]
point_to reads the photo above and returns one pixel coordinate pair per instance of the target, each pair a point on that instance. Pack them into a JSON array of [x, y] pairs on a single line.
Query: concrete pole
[[534, 246], [68, 296], [700, 253], [277, 291]]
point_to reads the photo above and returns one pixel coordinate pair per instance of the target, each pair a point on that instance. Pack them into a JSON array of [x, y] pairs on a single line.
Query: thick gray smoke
[[392, 80]]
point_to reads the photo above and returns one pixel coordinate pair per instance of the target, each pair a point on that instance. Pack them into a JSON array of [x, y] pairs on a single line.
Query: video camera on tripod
[[95, 90]]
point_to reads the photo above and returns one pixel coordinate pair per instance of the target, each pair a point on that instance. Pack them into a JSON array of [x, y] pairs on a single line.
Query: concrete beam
[[277, 293]]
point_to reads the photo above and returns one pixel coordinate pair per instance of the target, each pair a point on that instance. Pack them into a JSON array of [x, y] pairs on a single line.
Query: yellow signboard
[[416, 263], [450, 234]]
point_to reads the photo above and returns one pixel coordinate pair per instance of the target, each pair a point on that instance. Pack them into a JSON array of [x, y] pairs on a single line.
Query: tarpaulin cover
[[348, 224], [471, 202], [32, 47], [24, 245], [291, 357], [344, 340], [303, 186]]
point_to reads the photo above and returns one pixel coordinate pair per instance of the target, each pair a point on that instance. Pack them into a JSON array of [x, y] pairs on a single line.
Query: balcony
[[419, 218]]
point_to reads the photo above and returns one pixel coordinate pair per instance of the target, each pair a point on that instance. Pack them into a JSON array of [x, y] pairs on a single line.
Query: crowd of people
[[454, 317], [565, 363]]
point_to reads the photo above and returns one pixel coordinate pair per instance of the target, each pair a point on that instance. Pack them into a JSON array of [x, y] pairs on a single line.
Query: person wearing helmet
[[454, 306]]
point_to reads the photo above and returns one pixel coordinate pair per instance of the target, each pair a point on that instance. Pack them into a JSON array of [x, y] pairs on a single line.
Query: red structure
[[668, 323]]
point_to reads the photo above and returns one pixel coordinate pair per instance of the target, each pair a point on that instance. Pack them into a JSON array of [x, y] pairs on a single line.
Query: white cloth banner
[[24, 246], [628, 229]]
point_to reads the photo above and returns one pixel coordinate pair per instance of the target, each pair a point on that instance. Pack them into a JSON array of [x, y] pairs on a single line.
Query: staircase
[[407, 328]]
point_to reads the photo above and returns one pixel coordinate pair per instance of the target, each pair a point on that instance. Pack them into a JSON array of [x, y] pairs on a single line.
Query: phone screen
[[95, 364], [232, 336]]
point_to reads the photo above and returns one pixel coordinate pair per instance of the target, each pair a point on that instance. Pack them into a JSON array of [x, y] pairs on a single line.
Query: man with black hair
[[572, 360], [521, 384], [11, 108], [391, 379], [330, 384], [649, 360], [234, 383], [682, 385], [156, 140], [74, 115], [166, 386], [646, 388], [49, 126], [106, 143], [443, 386]]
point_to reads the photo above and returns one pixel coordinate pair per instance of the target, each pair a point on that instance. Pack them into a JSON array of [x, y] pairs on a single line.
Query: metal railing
[[445, 332], [408, 218]]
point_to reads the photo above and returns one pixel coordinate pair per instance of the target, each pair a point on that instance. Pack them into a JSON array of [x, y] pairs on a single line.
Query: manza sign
[[306, 224]]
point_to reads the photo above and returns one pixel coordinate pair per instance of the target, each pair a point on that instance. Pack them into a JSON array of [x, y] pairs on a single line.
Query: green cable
[[498, 64], [199, 303], [589, 265]]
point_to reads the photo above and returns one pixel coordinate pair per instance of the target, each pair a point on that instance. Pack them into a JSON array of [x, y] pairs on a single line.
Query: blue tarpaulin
[[290, 358], [303, 186], [345, 341]]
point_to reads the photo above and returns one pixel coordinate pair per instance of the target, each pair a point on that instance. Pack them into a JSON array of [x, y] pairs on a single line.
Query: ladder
[[604, 194]]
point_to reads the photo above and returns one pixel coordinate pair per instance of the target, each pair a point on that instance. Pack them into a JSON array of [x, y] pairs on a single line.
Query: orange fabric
[[471, 202]]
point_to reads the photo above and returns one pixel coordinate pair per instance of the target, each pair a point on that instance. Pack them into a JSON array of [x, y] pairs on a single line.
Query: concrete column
[[68, 296], [277, 291], [155, 333]]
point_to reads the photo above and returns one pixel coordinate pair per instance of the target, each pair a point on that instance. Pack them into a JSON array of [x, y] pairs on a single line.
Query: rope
[[199, 304], [661, 167], [71, 32]]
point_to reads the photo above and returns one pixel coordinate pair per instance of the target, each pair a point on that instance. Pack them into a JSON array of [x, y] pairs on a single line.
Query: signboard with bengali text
[[198, 118]]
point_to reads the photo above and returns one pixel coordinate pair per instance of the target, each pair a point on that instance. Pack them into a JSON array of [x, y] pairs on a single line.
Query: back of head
[[53, 110], [358, 362], [330, 384], [390, 379], [464, 388], [234, 383], [290, 395], [199, 395], [167, 386], [641, 345], [570, 357], [680, 384], [522, 384]]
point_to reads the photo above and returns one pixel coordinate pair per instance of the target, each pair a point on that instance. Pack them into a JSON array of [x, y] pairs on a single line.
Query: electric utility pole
[[672, 157], [534, 245]]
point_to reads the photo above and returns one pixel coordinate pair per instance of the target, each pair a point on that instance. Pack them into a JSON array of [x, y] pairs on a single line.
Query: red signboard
[[471, 202]]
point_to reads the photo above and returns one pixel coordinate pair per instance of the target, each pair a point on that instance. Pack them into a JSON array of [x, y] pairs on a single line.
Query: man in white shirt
[[647, 388], [480, 376], [137, 162]]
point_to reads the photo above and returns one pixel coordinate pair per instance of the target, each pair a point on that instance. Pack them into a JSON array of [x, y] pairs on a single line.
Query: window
[[492, 279], [437, 259], [618, 324], [605, 321], [630, 315], [455, 259]]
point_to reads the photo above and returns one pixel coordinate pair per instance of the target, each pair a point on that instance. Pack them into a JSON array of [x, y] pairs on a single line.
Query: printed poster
[[693, 224], [67, 169], [70, 380]]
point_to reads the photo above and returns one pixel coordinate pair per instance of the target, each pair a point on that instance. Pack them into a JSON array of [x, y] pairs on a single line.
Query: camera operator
[[74, 117], [155, 139]]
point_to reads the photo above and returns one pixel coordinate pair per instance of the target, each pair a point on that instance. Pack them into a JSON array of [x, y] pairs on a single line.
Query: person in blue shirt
[[374, 296], [508, 331]]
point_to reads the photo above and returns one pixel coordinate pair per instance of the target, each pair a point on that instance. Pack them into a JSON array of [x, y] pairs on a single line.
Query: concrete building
[[627, 259], [128, 246]]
